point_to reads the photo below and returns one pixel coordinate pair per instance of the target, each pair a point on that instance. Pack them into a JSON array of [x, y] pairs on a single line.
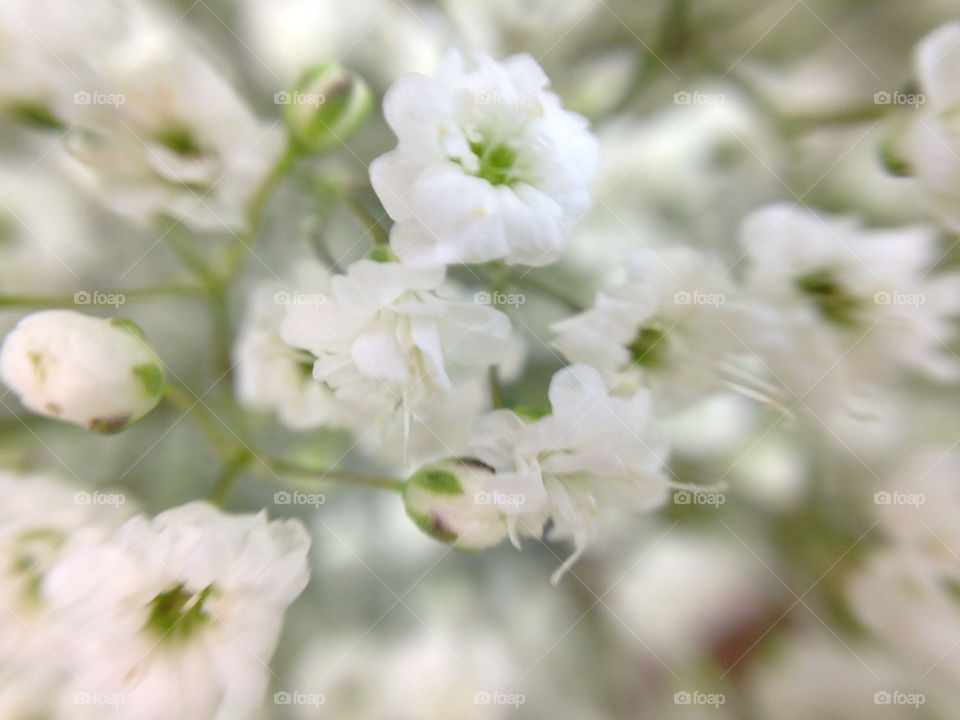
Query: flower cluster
[[149, 617]]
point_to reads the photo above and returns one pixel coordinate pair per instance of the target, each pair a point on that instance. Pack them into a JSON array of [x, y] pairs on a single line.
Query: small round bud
[[98, 373], [325, 107], [447, 500]]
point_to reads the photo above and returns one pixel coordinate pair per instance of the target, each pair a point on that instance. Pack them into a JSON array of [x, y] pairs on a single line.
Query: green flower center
[[648, 347], [177, 613], [831, 299], [496, 160]]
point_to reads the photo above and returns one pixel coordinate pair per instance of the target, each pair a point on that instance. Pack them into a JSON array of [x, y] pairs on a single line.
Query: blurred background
[[797, 597]]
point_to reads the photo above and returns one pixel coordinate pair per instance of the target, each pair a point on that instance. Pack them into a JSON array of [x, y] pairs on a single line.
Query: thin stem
[[287, 467], [496, 389], [203, 417], [232, 469], [146, 293], [380, 236], [537, 283]]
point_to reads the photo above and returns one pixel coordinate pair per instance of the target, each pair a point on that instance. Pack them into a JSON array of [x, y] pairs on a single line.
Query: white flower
[[163, 132], [488, 165], [838, 312], [179, 615], [41, 520], [910, 599], [664, 328], [383, 337], [272, 375], [592, 452], [95, 372], [929, 149]]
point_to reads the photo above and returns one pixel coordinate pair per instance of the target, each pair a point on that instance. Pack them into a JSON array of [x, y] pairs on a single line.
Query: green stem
[[496, 389], [287, 467], [380, 236], [537, 283], [232, 469], [146, 293], [207, 421]]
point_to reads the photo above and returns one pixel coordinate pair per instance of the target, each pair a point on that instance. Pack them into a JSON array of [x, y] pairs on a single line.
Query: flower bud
[[447, 501], [327, 105], [98, 373]]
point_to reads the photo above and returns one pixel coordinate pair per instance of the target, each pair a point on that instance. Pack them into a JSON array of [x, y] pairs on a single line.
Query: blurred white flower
[[272, 375], [95, 372], [41, 520], [663, 328], [382, 336], [178, 616], [162, 131], [453, 671], [837, 312], [813, 674], [48, 52], [488, 166], [909, 598], [930, 147], [592, 452]]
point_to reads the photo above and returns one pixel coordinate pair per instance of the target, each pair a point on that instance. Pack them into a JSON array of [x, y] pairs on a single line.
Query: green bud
[[447, 501], [326, 105]]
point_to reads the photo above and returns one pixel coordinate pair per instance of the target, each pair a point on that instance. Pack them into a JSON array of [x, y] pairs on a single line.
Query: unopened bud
[[98, 373], [325, 107], [447, 501]]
